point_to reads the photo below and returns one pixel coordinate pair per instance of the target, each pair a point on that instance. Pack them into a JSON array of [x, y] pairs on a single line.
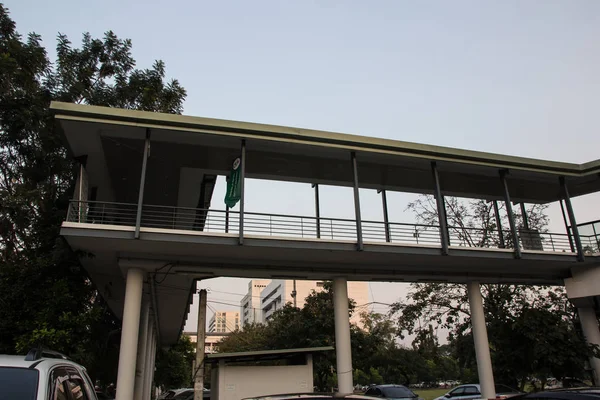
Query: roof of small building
[[264, 354]]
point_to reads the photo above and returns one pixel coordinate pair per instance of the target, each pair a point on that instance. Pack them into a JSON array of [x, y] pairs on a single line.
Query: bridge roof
[[306, 155]]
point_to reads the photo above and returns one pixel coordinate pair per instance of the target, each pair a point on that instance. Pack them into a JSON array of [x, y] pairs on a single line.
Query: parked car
[[43, 375], [585, 393], [391, 392], [188, 394], [311, 396], [473, 391], [554, 383]]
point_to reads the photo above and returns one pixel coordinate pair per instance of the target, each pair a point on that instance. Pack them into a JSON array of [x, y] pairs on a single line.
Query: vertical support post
[[149, 367], [480, 337], [200, 340], [343, 349], [152, 367], [574, 229], [441, 208], [317, 210], [589, 325], [138, 218], [524, 216], [129, 334], [562, 208], [499, 225], [386, 219], [142, 352], [511, 216], [227, 219], [294, 294], [242, 195], [359, 238]]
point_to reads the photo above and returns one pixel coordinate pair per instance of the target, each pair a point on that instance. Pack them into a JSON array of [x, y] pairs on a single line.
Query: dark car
[[310, 396], [585, 393], [391, 392]]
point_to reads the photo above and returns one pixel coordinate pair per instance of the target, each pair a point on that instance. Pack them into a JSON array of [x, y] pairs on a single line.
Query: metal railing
[[292, 226]]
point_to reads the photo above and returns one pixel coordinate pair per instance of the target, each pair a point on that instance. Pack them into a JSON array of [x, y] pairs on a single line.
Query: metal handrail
[[282, 225]]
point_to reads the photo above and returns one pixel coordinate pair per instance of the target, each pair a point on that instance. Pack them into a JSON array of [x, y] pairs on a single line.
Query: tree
[[518, 350], [47, 297], [174, 366]]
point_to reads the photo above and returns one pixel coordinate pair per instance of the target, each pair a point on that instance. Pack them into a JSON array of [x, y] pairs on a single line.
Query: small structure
[[257, 373]]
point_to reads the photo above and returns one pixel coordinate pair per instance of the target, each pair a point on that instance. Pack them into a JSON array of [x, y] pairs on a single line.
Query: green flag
[[234, 184]]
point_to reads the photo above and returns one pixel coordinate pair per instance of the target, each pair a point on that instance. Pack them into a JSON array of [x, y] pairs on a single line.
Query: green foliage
[[174, 366], [47, 298]]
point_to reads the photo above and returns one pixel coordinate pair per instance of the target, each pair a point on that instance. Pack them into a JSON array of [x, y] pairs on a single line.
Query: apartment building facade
[[224, 322]]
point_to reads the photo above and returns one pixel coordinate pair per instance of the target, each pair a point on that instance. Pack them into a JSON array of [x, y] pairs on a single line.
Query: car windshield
[[18, 383], [505, 389], [397, 392]]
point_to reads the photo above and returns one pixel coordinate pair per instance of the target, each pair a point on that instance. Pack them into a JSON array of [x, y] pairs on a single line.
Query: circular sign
[[236, 163]]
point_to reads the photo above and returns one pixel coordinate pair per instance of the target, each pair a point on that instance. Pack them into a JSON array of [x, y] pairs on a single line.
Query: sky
[[512, 77]]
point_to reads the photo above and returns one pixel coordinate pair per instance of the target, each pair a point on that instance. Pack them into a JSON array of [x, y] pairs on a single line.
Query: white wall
[[238, 382]]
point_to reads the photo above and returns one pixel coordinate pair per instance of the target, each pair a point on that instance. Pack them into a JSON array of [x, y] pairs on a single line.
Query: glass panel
[[18, 383]]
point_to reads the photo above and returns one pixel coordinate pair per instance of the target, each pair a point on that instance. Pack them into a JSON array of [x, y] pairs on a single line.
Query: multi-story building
[[224, 321], [211, 342], [250, 310], [279, 292]]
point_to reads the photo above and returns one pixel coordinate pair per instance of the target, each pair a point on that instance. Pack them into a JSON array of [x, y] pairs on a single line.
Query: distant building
[[250, 310], [211, 343], [279, 292], [224, 321]]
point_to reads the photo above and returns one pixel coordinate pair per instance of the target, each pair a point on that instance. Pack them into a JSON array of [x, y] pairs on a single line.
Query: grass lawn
[[430, 394]]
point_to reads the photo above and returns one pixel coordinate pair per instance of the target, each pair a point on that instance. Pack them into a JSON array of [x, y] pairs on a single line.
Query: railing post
[[441, 208], [227, 219], [499, 224], [574, 229], [552, 243], [524, 216], [567, 227], [511, 217], [386, 220], [317, 210], [138, 219], [242, 182], [359, 239]]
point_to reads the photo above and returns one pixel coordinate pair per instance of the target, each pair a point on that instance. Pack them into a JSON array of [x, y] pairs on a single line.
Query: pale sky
[[513, 77]]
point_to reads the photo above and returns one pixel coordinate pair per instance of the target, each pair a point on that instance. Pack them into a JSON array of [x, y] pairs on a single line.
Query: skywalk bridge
[[142, 214]]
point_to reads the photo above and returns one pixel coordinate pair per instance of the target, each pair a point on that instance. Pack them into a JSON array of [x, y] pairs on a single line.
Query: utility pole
[[200, 340], [294, 293]]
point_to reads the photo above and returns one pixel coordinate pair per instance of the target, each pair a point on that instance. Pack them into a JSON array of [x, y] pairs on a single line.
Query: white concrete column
[[343, 349], [149, 363], [142, 352], [153, 364], [482, 346], [129, 334], [589, 325]]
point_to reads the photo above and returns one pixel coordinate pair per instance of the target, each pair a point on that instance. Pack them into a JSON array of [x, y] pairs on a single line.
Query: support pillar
[[343, 349], [441, 208], [138, 218], [200, 340], [317, 210], [129, 334], [386, 218], [151, 384], [499, 225], [482, 346], [571, 213], [142, 353], [149, 363], [589, 325], [567, 227], [511, 216], [359, 238], [242, 189]]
